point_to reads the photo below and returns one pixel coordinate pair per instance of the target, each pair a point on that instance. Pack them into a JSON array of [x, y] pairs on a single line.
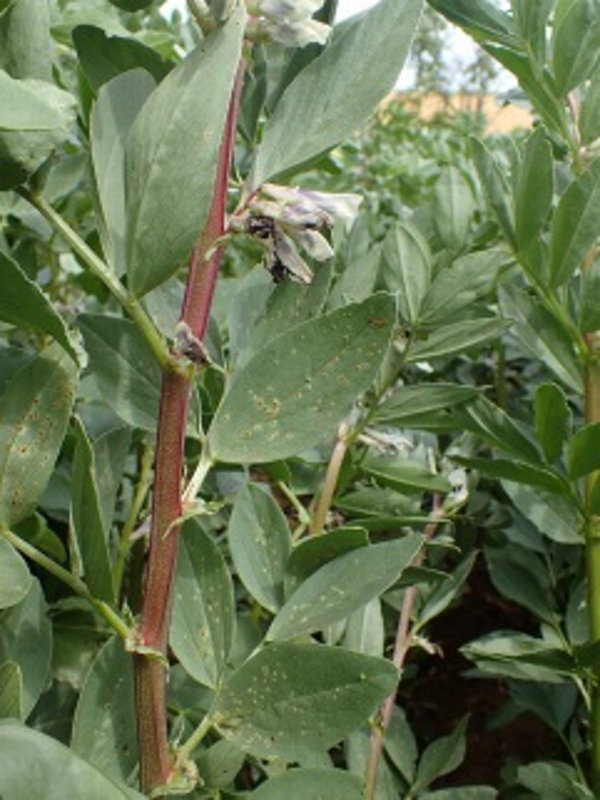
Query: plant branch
[[402, 646], [101, 270], [109, 615], [330, 483]]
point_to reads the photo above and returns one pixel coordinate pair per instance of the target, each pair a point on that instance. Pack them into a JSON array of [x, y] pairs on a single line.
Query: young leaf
[[481, 20], [441, 757], [271, 413], [23, 303], [518, 472], [15, 578], [103, 57], [496, 189], [531, 20], [307, 784], [553, 780], [203, 607], [407, 268], [292, 700], [453, 207], [118, 104], [35, 116], [26, 47], [420, 400], [535, 189], [124, 371], [86, 517], [405, 472], [554, 516], [36, 405], [342, 586], [436, 601], [333, 96], [552, 420], [575, 42], [171, 156], [457, 337], [57, 769], [26, 639], [458, 287], [575, 224], [259, 540], [584, 451], [104, 730], [542, 335]]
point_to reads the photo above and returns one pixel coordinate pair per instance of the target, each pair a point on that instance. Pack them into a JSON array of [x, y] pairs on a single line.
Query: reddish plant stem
[[150, 670], [402, 646]]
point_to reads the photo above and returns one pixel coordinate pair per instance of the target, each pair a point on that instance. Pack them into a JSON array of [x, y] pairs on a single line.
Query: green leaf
[[407, 268], [104, 728], [308, 784], [552, 420], [461, 285], [403, 471], [496, 189], [589, 308], [171, 157], [365, 631], [87, 520], [575, 224], [26, 639], [110, 451], [575, 42], [23, 303], [481, 20], [498, 429], [219, 764], [589, 117], [340, 587], [410, 402], [58, 771], [34, 117], [452, 209], [553, 781], [518, 655], [401, 746], [443, 594], [26, 49], [542, 335], [36, 405], [311, 553], [334, 95], [584, 451], [517, 472], [15, 578], [11, 688], [520, 575], [124, 370], [259, 540], [118, 104], [463, 793], [271, 413], [456, 338], [531, 20], [292, 700], [553, 516], [441, 757], [203, 607], [103, 57], [534, 190], [131, 5]]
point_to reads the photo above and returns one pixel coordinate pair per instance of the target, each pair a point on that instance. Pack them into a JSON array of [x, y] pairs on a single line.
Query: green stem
[[141, 492], [330, 483], [592, 532], [101, 270], [404, 640], [187, 748], [72, 581]]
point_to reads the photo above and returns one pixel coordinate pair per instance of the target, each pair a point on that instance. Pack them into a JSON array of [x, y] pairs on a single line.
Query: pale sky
[[345, 7]]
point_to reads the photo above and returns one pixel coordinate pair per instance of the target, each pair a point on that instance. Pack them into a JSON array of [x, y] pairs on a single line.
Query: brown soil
[[440, 694]]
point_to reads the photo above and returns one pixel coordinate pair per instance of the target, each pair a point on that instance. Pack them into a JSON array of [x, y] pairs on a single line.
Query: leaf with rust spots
[[271, 413], [34, 412]]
